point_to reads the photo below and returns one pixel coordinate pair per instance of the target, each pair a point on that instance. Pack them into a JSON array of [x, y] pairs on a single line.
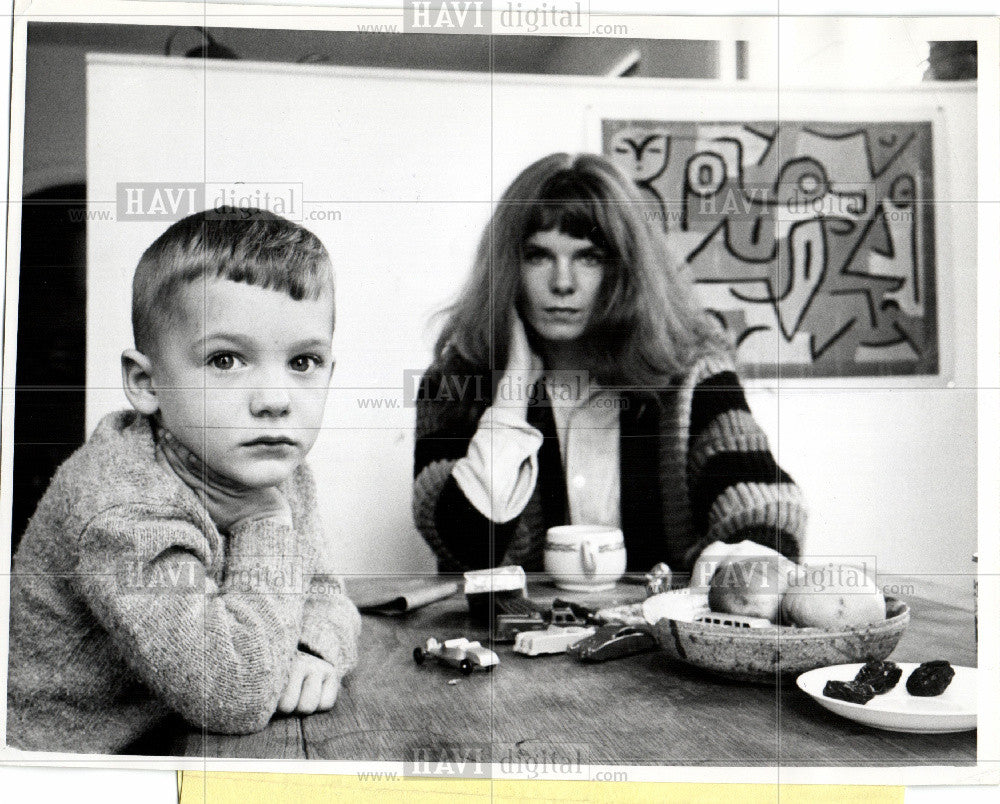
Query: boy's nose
[[270, 402]]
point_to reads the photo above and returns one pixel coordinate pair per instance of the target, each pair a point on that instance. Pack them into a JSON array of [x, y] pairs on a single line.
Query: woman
[[616, 402]]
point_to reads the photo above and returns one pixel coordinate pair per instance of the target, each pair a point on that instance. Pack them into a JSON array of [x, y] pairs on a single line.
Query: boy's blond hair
[[240, 244]]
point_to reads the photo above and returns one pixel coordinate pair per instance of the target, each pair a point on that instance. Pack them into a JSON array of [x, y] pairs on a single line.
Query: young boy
[[176, 563]]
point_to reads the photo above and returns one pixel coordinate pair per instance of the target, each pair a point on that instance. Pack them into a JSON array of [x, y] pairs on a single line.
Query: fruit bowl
[[763, 655]]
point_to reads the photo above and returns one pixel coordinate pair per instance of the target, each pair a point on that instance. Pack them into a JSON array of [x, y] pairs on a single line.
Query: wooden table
[[641, 710]]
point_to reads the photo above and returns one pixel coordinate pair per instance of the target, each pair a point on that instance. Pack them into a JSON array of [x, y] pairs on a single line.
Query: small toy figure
[[613, 641], [460, 652], [658, 579], [508, 626], [552, 640]]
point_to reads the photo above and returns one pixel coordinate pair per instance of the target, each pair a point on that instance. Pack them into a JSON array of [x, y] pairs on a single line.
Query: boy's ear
[[137, 380]]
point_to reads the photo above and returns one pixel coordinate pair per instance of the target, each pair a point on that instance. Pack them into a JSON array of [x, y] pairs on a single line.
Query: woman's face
[[560, 281]]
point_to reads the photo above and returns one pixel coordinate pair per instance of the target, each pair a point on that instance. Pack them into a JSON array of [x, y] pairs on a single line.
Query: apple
[[832, 596], [750, 586]]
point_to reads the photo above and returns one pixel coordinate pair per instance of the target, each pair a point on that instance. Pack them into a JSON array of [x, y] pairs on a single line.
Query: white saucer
[[897, 710]]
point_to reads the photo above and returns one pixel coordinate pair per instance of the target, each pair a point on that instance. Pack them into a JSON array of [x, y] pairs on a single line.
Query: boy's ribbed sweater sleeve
[[331, 623], [218, 654], [737, 489]]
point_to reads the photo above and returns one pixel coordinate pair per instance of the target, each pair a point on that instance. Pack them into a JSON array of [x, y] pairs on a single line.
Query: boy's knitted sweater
[[695, 468], [127, 603]]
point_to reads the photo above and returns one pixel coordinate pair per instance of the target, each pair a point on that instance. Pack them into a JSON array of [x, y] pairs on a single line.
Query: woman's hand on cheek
[[524, 369], [227, 502]]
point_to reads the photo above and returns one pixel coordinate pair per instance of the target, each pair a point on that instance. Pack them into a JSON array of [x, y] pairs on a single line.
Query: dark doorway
[[51, 343]]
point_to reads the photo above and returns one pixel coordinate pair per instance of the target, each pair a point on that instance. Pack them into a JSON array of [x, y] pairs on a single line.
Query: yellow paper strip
[[197, 787]]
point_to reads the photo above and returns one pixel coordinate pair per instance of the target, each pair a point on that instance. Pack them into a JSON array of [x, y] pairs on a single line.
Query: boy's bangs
[[288, 271]]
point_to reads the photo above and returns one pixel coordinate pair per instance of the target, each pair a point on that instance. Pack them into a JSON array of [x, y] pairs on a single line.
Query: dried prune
[[850, 691], [930, 678], [882, 676]]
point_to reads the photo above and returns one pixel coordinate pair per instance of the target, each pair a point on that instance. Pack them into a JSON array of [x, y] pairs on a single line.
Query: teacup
[[584, 558]]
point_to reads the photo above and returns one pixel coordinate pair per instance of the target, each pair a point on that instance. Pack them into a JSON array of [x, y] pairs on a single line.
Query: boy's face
[[241, 377]]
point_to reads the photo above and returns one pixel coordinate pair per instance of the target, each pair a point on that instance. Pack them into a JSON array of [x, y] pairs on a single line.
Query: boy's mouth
[[271, 441]]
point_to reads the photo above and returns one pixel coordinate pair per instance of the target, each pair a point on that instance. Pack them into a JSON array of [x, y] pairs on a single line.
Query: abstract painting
[[811, 243]]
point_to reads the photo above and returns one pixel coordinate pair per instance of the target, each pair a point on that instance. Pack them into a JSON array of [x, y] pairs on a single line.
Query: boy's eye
[[304, 363], [224, 361]]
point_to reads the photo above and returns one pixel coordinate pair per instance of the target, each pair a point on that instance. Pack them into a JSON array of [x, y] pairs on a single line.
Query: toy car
[[508, 626], [552, 640], [460, 652], [734, 620], [563, 613], [613, 642]]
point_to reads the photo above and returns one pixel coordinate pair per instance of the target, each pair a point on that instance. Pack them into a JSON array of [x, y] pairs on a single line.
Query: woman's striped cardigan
[[695, 468]]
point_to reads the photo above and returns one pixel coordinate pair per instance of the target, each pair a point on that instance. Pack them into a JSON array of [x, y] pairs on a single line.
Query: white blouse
[[499, 472]]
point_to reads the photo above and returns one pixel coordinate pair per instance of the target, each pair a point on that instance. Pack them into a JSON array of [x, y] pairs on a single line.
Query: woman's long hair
[[646, 326]]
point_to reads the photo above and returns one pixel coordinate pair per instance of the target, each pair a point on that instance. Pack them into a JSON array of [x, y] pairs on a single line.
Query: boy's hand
[[312, 686], [227, 502]]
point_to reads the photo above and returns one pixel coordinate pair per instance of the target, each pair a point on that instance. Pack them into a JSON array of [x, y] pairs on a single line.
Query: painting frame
[[830, 111]]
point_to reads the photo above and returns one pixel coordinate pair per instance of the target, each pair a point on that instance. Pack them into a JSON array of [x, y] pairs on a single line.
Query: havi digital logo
[[465, 16]]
